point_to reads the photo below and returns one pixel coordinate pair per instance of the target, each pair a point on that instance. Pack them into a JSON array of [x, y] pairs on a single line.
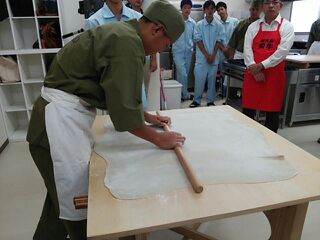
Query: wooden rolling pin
[[197, 187]]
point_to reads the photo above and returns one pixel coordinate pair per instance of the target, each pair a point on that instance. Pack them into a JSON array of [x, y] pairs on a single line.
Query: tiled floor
[[22, 194]]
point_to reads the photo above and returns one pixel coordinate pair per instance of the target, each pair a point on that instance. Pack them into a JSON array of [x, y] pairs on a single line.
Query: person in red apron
[[267, 42]]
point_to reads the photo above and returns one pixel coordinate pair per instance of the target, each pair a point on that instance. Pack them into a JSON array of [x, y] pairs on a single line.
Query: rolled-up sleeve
[[221, 35], [122, 83], [248, 40], [197, 33], [121, 72]]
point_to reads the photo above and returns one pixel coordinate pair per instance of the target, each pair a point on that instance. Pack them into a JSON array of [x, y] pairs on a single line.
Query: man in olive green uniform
[[101, 68], [236, 42], [314, 35]]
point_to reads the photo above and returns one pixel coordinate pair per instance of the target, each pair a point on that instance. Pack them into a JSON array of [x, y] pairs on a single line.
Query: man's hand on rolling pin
[[157, 120], [164, 140], [169, 140]]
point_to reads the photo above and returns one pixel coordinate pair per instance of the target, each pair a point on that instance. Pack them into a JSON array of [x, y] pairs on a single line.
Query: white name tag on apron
[[68, 125]]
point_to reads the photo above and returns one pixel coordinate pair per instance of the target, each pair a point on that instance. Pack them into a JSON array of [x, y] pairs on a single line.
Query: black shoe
[[186, 99], [194, 104], [210, 104]]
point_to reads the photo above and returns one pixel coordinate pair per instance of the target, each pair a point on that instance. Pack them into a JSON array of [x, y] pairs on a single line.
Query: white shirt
[[287, 38]]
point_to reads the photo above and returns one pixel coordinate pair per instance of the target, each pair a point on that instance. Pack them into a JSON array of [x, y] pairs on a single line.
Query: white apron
[[68, 124]]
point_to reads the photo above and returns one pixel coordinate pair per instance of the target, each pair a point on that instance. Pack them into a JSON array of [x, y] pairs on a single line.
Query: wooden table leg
[[127, 238], [142, 236], [189, 233], [287, 222], [194, 227]]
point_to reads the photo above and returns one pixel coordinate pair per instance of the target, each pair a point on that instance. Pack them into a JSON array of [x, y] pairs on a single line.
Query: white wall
[[236, 8], [71, 20]]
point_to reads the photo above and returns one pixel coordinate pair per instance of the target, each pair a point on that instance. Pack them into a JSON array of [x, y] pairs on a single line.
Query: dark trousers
[[50, 226], [272, 118]]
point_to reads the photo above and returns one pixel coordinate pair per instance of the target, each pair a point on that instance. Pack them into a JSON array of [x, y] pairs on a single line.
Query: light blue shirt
[[104, 15], [229, 26], [185, 41], [209, 34]]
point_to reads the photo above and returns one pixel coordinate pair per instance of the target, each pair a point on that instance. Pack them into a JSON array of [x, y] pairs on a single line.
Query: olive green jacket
[[104, 67]]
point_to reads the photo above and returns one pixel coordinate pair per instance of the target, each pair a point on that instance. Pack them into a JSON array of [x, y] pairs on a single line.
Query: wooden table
[[303, 58], [284, 203], [302, 61]]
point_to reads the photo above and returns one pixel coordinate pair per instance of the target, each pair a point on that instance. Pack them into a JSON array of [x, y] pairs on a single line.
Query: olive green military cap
[[162, 12]]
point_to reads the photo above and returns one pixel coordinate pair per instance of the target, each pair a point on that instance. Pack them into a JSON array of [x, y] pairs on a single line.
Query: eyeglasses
[[271, 2]]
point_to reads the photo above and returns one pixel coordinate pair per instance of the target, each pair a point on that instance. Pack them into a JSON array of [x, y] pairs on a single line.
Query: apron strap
[[280, 24]]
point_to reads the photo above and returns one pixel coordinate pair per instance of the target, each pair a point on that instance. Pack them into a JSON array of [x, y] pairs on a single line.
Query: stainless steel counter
[[302, 102], [235, 69]]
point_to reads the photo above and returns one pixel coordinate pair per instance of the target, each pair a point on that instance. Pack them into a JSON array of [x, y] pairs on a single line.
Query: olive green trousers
[[50, 226]]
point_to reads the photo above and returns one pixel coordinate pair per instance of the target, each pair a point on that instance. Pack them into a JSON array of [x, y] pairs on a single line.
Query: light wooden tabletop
[[109, 217], [303, 58]]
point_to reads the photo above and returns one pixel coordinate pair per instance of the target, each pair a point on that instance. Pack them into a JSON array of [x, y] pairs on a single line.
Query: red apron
[[268, 95]]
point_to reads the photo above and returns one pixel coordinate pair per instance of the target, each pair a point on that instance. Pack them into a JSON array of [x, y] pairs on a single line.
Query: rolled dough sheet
[[219, 149]]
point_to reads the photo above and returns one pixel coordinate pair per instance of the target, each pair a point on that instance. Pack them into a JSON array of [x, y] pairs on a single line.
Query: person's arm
[[221, 47], [198, 39], [234, 37], [229, 53], [203, 49], [122, 86], [287, 39], [311, 36], [125, 108], [157, 120], [248, 41], [164, 140], [231, 46], [212, 57], [219, 43], [230, 49], [253, 67]]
